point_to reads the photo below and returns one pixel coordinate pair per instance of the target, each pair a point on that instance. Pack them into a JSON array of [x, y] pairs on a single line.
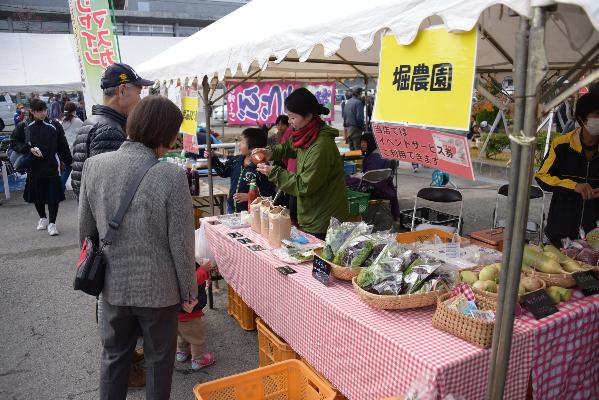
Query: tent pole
[[521, 58], [587, 59], [206, 92], [525, 140], [592, 77]]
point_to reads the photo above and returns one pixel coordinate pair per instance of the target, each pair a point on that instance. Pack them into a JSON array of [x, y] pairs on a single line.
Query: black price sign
[[587, 282], [539, 304], [321, 270], [286, 270]]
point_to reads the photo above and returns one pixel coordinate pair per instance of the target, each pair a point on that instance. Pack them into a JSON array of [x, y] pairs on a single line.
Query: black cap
[[119, 74]]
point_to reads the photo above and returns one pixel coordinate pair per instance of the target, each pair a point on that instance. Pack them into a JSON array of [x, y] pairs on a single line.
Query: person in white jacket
[[71, 124]]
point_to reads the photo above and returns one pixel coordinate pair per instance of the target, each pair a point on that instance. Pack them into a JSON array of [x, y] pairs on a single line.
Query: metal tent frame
[[530, 68]]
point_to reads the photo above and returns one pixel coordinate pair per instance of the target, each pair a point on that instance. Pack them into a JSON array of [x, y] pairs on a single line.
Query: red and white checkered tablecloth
[[566, 351], [366, 353]]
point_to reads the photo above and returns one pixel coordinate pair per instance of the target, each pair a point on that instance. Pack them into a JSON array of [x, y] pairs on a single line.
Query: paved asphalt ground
[[49, 346]]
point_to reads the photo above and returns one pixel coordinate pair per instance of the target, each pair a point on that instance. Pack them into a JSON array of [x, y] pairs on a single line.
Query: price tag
[[587, 282], [539, 304], [321, 270], [452, 250], [286, 270]]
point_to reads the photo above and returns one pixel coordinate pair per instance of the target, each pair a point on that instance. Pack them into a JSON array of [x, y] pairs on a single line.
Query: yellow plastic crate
[[288, 380], [240, 311], [338, 395], [271, 348], [424, 235]]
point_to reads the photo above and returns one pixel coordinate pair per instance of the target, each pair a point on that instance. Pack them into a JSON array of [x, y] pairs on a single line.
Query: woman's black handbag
[[21, 162], [92, 263]]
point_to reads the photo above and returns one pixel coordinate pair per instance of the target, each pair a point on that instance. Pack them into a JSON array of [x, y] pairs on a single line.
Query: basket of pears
[[484, 281]]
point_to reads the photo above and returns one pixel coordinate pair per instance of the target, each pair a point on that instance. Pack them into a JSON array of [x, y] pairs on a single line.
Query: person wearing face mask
[[319, 180], [570, 171], [104, 131]]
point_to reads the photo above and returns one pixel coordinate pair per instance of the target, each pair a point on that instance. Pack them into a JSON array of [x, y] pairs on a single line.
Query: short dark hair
[[282, 118], [155, 121], [255, 137], [38, 105], [586, 105]]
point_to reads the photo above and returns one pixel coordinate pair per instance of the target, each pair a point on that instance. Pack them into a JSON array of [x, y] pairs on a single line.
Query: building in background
[[133, 17]]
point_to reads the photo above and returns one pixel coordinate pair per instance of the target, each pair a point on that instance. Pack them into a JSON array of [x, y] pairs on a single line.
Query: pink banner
[[440, 150], [261, 103]]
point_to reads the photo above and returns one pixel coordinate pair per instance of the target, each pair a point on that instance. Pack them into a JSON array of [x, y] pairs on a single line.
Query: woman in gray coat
[[151, 269]]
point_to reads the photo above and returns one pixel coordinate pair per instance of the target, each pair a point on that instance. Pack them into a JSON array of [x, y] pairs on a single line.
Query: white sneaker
[[42, 224], [52, 230]]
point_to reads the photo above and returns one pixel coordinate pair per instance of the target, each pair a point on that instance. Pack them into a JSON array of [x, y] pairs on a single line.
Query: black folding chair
[[435, 217], [533, 228]]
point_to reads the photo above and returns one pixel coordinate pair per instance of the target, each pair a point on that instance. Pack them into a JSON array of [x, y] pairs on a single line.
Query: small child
[[190, 332], [242, 170]]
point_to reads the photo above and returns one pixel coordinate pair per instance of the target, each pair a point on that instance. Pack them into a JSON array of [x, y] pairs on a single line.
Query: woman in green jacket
[[319, 183]]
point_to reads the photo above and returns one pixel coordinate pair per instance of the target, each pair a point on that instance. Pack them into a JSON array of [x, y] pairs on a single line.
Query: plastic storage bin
[[349, 167], [424, 235], [357, 202], [240, 311], [289, 380], [271, 348], [426, 215]]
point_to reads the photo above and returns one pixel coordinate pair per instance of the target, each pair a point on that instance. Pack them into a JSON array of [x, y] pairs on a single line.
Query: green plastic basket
[[357, 202]]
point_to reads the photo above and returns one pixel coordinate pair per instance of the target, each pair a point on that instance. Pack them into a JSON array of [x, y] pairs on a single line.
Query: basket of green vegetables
[[401, 278], [552, 266]]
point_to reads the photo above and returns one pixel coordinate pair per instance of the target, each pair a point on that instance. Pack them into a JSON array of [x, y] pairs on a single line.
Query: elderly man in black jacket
[[104, 131]]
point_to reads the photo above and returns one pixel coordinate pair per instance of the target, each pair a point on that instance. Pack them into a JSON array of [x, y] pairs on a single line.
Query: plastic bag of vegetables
[[388, 267], [337, 234], [355, 252]]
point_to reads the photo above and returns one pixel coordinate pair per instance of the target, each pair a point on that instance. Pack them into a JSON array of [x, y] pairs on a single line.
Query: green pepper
[[363, 254]]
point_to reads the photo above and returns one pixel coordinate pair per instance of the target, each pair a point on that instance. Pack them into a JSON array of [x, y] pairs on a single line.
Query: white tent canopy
[[38, 62], [329, 33]]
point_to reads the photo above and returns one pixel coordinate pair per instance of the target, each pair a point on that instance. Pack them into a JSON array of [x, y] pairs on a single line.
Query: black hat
[[119, 74], [303, 102]]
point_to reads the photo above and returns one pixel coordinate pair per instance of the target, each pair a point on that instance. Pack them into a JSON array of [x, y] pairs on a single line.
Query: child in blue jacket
[[242, 170]]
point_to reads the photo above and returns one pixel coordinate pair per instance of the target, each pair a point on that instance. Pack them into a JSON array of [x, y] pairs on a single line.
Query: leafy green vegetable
[[363, 254]]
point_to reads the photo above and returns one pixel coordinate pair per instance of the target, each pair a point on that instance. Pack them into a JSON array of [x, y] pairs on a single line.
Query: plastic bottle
[[254, 193]]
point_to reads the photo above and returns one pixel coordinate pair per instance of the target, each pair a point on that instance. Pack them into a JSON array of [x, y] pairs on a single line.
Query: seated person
[[242, 170], [372, 161]]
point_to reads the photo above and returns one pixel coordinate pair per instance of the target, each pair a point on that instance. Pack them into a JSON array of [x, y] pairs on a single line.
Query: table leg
[[5, 181]]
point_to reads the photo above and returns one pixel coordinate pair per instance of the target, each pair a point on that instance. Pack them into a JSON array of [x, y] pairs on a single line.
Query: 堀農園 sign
[[253, 103], [444, 151], [428, 82]]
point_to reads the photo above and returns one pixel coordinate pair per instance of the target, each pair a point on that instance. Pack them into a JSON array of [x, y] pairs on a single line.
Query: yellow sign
[[190, 115], [428, 82]]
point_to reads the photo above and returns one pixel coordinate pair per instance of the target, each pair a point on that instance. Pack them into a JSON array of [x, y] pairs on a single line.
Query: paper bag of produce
[[279, 226], [255, 213], [265, 206]]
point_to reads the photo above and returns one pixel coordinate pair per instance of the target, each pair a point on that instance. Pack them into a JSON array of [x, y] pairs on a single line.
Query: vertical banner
[[190, 123], [96, 42], [261, 103], [428, 82]]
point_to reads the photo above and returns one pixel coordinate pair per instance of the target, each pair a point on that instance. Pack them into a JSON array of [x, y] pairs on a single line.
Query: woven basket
[[493, 296], [402, 302], [561, 280], [340, 272], [474, 331]]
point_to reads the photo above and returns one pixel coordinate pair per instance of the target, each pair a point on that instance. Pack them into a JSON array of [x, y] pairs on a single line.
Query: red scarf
[[304, 137]]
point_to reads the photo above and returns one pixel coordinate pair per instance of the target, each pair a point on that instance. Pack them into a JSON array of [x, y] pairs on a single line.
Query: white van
[[7, 111]]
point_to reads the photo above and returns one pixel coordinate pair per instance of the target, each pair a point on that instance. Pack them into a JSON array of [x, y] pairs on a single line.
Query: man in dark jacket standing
[[353, 119], [104, 131]]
